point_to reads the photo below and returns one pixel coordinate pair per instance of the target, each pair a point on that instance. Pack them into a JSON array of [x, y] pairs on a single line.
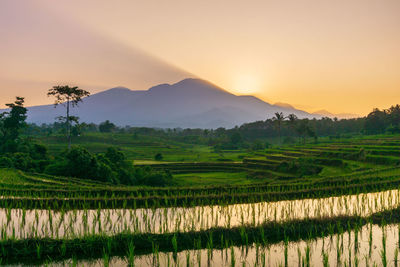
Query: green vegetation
[[68, 96], [160, 193], [263, 235], [344, 167]]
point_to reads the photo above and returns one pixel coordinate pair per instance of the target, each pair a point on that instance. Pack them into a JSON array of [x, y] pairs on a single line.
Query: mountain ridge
[[331, 115], [189, 103]]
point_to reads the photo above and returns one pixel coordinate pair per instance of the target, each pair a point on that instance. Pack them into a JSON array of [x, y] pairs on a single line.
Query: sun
[[246, 84]]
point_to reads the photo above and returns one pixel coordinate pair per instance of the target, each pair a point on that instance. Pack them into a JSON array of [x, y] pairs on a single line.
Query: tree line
[[21, 152], [17, 150], [285, 129]]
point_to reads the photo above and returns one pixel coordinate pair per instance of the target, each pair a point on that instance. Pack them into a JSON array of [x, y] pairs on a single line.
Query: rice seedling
[[131, 254], [383, 250], [325, 259]]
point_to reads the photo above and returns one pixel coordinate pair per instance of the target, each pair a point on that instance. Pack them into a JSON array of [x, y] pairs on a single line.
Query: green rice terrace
[[336, 202]]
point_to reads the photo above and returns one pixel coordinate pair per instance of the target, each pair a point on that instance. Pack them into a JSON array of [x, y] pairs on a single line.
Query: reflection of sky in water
[[274, 254], [23, 224]]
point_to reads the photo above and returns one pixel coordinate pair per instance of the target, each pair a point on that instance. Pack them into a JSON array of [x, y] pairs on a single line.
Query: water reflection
[[347, 249], [18, 223]]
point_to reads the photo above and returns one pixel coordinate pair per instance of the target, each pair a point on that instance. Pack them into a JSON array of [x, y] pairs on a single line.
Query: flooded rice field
[[20, 224], [371, 245]]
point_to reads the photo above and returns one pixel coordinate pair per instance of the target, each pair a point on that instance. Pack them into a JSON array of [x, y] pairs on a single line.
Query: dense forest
[[289, 129]]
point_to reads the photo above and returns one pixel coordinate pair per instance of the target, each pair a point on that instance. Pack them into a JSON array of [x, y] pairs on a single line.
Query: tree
[[304, 129], [292, 118], [375, 122], [158, 157], [69, 97], [236, 138], [73, 124], [11, 124], [279, 118], [107, 127], [394, 117]]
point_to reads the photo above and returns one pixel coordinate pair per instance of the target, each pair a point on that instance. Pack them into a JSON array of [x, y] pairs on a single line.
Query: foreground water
[[18, 223], [355, 248]]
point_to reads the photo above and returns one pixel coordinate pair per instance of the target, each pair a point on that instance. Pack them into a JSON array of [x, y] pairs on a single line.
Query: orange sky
[[342, 56]]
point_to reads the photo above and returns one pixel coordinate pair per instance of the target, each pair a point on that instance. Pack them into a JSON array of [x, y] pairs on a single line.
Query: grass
[[213, 178], [362, 152], [142, 147], [12, 176]]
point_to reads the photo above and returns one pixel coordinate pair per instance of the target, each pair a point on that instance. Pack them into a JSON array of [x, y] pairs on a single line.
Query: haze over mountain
[[326, 113], [323, 112], [190, 103]]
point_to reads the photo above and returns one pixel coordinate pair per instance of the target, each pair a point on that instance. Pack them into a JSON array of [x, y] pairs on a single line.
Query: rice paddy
[[329, 204], [371, 245]]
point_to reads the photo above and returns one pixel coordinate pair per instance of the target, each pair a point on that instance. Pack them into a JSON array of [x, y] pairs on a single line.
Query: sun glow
[[246, 84]]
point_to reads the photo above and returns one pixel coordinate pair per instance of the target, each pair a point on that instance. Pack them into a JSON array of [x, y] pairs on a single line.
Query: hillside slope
[[190, 103]]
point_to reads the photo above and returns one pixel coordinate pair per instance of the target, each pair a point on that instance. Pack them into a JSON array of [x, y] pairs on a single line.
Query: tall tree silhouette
[[292, 118], [303, 129], [279, 118], [68, 97], [11, 124]]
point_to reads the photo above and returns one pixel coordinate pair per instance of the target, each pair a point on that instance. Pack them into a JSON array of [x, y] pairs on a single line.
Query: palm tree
[[279, 118], [304, 129], [292, 118]]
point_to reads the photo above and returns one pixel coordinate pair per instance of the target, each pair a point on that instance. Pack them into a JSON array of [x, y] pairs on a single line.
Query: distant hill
[[190, 103], [284, 105], [326, 113]]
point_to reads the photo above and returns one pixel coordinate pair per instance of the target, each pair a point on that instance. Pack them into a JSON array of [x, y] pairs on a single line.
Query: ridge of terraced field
[[273, 165], [230, 200], [60, 194]]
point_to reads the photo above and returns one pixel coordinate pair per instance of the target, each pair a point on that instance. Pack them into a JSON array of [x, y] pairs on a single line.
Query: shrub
[[158, 157], [38, 151], [6, 162], [257, 145], [58, 167], [300, 167], [105, 173], [77, 162], [115, 156], [39, 165], [224, 160], [150, 177], [289, 140], [111, 167], [81, 163], [325, 161], [393, 129], [22, 161], [107, 127]]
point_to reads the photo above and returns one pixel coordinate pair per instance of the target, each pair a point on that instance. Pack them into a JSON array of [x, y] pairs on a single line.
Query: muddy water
[[340, 250], [19, 223]]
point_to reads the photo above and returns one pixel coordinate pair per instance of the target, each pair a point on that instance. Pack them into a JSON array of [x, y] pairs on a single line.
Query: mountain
[[328, 114], [190, 103], [284, 105]]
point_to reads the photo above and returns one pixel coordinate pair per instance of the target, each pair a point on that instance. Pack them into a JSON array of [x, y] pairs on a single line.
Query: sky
[[341, 56]]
